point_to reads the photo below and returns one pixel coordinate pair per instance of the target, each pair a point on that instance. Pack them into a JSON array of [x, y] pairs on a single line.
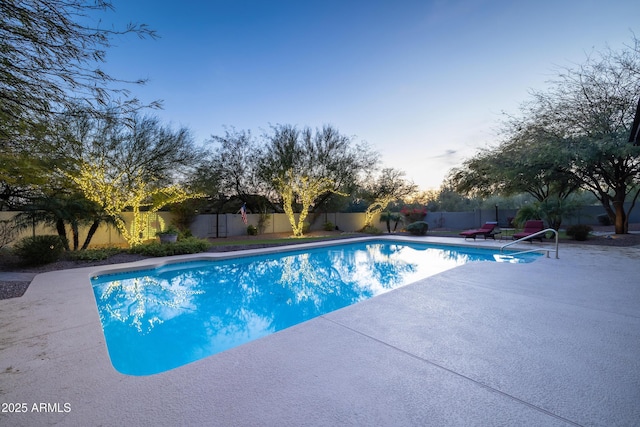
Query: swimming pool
[[158, 319]]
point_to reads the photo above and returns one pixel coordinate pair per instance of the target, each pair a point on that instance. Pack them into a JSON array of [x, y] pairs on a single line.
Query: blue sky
[[423, 82]]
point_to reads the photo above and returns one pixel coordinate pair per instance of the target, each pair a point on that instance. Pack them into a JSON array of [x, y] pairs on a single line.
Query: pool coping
[[52, 351], [151, 263]]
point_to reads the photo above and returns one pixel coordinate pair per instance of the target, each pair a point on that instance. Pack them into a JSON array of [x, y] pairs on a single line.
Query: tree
[[24, 168], [388, 186], [530, 161], [304, 188], [50, 54], [388, 217], [114, 196], [323, 153], [574, 134], [591, 108], [233, 167], [127, 164]]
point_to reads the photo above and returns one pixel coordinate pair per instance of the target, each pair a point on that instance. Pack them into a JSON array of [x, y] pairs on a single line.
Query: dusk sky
[[423, 82]]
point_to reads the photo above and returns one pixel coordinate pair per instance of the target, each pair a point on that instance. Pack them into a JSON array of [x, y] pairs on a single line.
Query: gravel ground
[[13, 289]]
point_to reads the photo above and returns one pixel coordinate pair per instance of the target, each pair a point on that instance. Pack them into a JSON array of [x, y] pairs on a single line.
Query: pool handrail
[[547, 250]]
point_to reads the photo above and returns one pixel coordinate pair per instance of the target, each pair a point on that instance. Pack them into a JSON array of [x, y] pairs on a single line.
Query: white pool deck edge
[[555, 342]]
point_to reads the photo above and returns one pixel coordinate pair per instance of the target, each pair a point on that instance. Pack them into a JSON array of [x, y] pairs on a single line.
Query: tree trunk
[[76, 238], [621, 224], [90, 233], [62, 232], [614, 207]]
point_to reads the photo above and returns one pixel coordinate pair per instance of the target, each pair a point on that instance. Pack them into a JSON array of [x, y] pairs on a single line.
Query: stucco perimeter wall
[[230, 225], [204, 226], [106, 235]]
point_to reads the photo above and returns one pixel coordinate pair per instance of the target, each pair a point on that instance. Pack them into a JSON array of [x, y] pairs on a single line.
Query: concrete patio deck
[[555, 342]]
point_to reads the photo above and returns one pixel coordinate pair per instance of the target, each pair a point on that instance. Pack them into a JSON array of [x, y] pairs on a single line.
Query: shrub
[[526, 213], [39, 249], [579, 232], [184, 213], [263, 221], [603, 219], [328, 226], [7, 232], [252, 230], [413, 213], [93, 254], [171, 229], [370, 229], [190, 245], [418, 228]]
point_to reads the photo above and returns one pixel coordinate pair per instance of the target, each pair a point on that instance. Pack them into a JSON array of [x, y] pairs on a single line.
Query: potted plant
[[169, 234]]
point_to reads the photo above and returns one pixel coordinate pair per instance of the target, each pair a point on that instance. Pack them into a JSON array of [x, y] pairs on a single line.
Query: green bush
[[93, 254], [263, 221], [418, 228], [371, 229], [189, 245], [7, 232], [171, 229], [579, 232], [328, 226], [252, 230], [39, 250], [603, 219]]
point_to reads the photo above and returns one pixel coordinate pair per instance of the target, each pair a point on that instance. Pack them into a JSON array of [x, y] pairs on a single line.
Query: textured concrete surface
[[16, 277], [552, 343]]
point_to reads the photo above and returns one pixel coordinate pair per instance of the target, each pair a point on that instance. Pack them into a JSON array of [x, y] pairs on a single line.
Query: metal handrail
[[530, 236]]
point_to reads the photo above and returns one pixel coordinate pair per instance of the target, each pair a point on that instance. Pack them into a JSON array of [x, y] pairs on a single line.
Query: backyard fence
[[213, 226]]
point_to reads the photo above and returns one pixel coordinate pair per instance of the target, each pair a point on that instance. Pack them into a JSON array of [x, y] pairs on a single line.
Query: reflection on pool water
[[160, 319]]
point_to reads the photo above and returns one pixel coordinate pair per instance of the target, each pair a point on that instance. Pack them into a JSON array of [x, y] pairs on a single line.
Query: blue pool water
[[159, 319]]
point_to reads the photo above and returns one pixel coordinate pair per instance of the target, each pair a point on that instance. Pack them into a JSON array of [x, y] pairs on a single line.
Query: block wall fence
[[218, 226]]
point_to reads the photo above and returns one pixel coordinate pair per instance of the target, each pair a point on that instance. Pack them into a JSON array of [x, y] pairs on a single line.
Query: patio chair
[[489, 229], [531, 227]]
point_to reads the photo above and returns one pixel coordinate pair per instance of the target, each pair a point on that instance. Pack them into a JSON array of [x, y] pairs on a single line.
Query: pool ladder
[[547, 250]]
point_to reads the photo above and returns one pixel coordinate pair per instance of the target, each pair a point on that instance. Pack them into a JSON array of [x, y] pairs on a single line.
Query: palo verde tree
[[574, 134], [51, 54], [122, 192], [304, 189], [130, 165], [304, 168], [232, 170], [590, 109], [529, 161], [389, 185], [323, 153]]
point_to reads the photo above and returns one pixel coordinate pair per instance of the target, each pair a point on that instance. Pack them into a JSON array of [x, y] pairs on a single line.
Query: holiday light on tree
[[305, 189], [117, 194]]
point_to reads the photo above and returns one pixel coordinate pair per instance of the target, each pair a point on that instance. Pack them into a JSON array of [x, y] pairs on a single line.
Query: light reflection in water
[[161, 319]]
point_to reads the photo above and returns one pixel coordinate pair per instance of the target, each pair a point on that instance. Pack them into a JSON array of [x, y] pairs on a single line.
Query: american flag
[[243, 212]]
